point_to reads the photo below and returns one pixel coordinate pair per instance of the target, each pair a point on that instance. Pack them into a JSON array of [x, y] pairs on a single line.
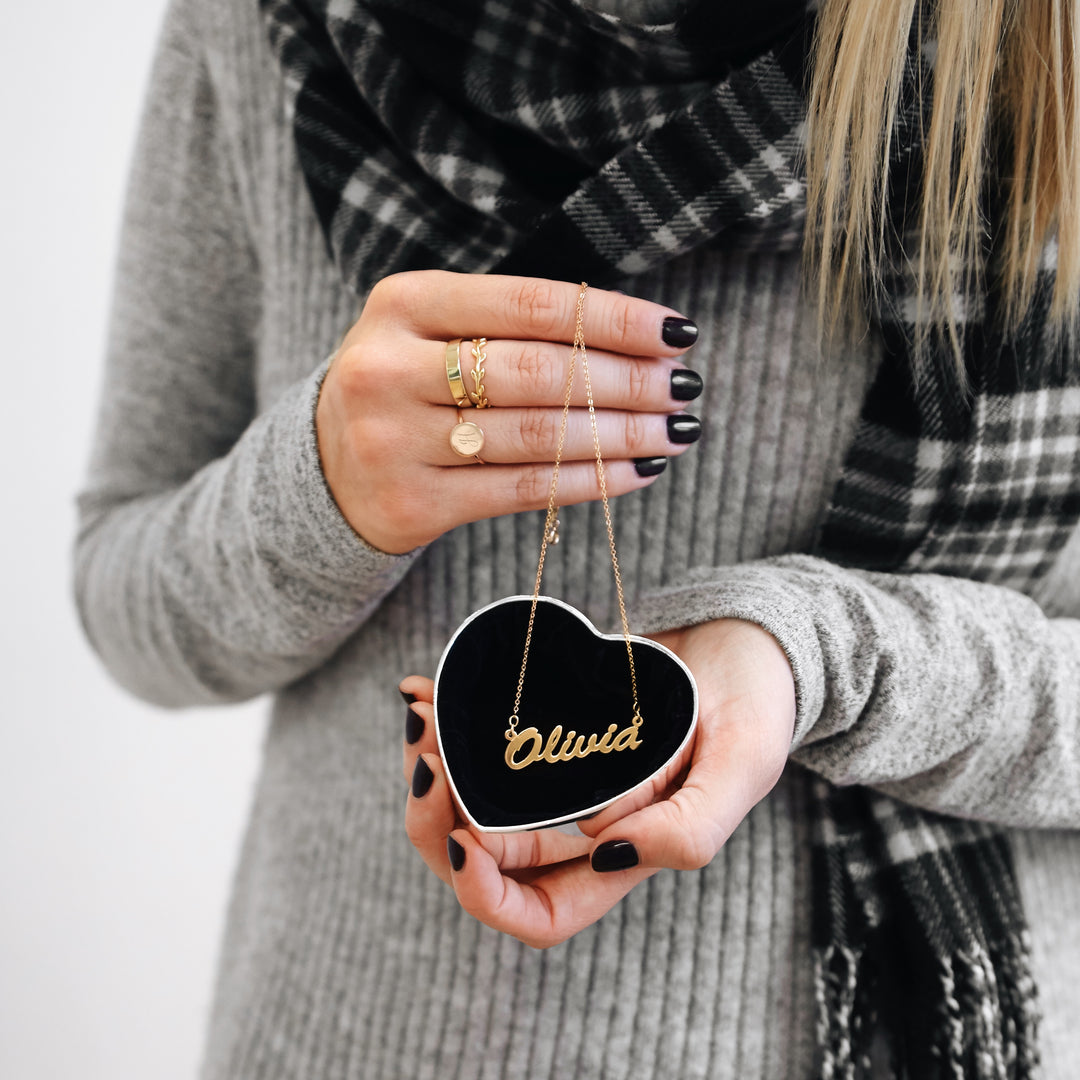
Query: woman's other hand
[[544, 887], [386, 411]]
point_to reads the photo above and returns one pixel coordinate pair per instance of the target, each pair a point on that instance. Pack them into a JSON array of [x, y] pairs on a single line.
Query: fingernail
[[683, 429], [421, 778], [650, 466], [414, 727], [456, 854], [679, 332], [409, 698], [685, 384], [614, 855]]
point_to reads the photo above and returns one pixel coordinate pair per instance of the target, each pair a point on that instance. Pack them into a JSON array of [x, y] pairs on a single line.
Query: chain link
[[551, 522]]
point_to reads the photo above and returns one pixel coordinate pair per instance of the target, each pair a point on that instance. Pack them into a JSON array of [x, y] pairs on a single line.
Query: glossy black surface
[[683, 429], [686, 385], [650, 466], [678, 332], [575, 678], [613, 856], [421, 778], [414, 727]]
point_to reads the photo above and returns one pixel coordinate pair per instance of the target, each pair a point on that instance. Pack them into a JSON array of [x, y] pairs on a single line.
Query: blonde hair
[[1004, 83]]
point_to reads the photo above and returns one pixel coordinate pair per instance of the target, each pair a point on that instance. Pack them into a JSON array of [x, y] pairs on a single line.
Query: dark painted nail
[[683, 429], [456, 854], [614, 855], [409, 698], [414, 727], [650, 466], [679, 332], [421, 778], [685, 385]]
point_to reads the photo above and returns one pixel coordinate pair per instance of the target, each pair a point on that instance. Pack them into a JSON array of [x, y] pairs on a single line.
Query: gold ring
[[467, 438], [478, 395], [453, 374]]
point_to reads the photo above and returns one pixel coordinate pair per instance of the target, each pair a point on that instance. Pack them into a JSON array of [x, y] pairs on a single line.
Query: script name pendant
[[528, 746]]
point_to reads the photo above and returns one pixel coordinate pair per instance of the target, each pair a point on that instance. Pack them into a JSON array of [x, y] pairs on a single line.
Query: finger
[[417, 687], [494, 490], [529, 373], [522, 436], [728, 776], [543, 910], [420, 735], [541, 847], [440, 305], [419, 693], [440, 498], [430, 815], [655, 789]]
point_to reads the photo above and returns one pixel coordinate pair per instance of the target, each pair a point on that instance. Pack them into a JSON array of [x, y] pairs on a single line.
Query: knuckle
[[397, 297], [535, 853], [395, 288], [692, 845], [639, 383], [352, 369], [621, 328], [635, 430], [389, 294], [694, 852], [531, 488], [538, 433], [539, 303], [538, 376]]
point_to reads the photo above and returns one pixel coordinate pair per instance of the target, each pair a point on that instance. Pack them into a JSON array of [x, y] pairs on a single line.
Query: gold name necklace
[[529, 746]]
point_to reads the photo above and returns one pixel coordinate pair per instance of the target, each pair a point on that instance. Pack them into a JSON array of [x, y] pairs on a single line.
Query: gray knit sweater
[[213, 565]]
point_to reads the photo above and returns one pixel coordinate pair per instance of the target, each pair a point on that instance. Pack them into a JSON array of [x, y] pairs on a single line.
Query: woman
[[869, 561]]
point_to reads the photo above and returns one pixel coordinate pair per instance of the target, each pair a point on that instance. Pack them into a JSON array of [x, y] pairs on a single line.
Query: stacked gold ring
[[466, 437], [478, 395], [453, 374]]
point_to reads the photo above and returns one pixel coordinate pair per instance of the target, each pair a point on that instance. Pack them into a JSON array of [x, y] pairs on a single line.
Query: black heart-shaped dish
[[577, 697]]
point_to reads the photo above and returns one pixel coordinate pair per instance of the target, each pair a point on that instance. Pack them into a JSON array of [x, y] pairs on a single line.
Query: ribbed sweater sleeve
[[957, 696], [212, 563]]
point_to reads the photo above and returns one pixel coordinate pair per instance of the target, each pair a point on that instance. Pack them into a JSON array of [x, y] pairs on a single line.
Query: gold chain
[[551, 521]]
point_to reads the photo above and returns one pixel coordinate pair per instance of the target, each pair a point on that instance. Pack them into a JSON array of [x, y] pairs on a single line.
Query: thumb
[[686, 830]]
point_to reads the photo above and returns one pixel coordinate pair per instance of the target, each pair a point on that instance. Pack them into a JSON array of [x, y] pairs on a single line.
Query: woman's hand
[[385, 411], [543, 887]]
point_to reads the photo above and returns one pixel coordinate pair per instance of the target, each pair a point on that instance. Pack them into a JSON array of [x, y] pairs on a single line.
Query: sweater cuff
[[304, 526], [760, 593]]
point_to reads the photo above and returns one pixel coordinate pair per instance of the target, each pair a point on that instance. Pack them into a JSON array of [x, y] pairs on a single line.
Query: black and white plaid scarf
[[543, 138]]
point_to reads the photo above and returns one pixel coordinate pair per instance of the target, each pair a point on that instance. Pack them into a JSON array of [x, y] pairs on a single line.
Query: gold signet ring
[[466, 438], [453, 374]]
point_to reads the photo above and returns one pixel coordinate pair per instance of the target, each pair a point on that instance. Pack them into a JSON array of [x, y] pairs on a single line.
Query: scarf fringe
[[983, 1027], [842, 1032]]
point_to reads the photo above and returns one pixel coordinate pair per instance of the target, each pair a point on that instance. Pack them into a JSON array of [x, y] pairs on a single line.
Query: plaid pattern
[[984, 486], [968, 999], [543, 138], [530, 138]]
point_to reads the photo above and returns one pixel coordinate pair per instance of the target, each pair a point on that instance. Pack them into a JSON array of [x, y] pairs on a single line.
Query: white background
[[119, 822]]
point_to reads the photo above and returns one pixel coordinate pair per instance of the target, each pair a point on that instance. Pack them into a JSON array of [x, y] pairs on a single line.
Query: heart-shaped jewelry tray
[[583, 751]]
